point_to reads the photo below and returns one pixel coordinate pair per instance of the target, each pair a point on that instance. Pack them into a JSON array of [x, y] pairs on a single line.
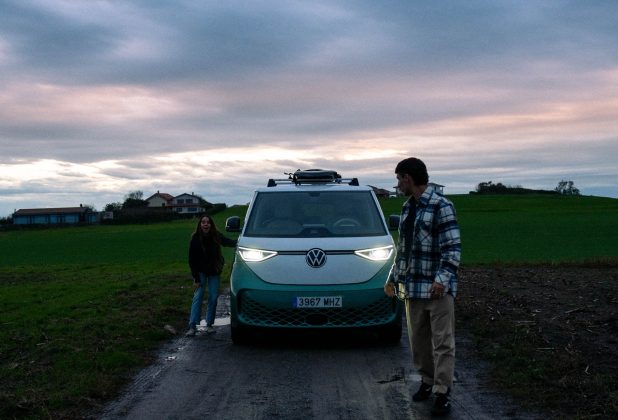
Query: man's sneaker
[[441, 405], [190, 332], [210, 330], [423, 393]]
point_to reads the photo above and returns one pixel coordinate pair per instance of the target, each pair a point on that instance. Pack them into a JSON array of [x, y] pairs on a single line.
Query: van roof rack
[[312, 176]]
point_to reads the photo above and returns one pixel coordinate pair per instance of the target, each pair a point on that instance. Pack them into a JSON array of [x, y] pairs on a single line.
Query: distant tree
[[483, 186], [134, 195], [566, 188], [499, 188], [491, 188], [113, 206], [134, 200]]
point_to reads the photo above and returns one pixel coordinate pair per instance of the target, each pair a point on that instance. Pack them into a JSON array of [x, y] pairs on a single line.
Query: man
[[425, 275]]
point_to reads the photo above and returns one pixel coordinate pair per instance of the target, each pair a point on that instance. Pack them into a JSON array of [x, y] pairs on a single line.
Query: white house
[[187, 204], [160, 200], [438, 187]]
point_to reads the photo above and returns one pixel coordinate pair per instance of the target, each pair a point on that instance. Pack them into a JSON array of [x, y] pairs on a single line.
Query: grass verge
[[82, 334]]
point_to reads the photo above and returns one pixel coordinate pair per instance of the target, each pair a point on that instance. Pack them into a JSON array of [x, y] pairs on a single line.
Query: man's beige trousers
[[431, 331]]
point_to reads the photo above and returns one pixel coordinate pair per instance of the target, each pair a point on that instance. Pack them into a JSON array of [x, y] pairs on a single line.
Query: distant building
[[55, 216], [438, 187], [187, 204], [160, 200], [183, 204], [380, 192]]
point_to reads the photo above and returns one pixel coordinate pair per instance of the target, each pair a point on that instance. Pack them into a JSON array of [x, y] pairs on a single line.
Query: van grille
[[379, 312]]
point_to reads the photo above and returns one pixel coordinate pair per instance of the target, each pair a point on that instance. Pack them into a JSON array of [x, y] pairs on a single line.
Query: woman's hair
[[212, 235], [415, 168]]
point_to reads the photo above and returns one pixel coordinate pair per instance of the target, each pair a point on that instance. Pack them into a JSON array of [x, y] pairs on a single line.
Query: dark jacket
[[207, 257]]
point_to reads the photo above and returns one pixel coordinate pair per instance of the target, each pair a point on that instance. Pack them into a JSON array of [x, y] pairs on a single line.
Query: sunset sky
[[101, 98]]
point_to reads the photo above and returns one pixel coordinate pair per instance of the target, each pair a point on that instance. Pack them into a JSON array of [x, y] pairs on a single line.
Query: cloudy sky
[[101, 98]]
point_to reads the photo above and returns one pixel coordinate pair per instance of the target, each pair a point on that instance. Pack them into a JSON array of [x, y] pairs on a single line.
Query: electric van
[[314, 253]]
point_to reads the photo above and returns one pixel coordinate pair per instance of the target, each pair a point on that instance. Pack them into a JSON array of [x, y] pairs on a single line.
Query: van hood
[[291, 265]]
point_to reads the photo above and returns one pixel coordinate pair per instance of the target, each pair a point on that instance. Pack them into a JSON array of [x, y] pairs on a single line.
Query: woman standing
[[206, 263]]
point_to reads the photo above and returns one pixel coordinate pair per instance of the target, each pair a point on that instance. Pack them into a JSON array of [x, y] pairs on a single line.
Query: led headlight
[[376, 254], [255, 255]]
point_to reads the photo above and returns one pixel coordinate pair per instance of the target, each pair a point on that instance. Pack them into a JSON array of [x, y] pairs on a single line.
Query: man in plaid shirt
[[425, 276]]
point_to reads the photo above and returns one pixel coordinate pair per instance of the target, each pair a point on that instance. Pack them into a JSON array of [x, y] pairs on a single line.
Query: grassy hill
[[506, 229], [533, 228]]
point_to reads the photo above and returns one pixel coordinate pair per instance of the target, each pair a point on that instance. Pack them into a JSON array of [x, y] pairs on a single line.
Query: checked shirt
[[429, 246]]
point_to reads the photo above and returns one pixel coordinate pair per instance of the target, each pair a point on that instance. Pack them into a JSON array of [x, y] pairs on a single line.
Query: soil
[[551, 333]]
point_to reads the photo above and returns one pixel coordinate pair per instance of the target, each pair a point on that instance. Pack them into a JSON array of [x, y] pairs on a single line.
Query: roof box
[[313, 176]]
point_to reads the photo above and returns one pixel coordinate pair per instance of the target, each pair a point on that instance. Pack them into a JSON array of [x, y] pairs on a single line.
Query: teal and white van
[[314, 252]]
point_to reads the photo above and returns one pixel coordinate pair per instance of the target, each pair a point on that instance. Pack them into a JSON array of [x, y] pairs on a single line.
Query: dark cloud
[[480, 88], [44, 41]]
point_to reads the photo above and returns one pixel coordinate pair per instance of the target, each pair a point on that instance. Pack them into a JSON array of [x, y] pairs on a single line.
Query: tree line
[[563, 188]]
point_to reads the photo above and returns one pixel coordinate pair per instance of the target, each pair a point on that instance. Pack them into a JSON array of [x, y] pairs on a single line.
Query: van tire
[[239, 336], [391, 334]]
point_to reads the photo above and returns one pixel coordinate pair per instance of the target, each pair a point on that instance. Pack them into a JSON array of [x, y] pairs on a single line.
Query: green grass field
[[533, 228], [84, 307]]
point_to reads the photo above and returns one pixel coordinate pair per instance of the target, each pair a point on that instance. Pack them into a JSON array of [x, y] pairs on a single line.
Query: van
[[314, 253]]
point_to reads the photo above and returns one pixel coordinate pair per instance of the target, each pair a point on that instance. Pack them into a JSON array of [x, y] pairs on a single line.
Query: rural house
[[55, 216], [187, 204], [438, 187], [160, 200], [380, 192]]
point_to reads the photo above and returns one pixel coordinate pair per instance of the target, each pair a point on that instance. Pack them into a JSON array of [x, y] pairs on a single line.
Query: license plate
[[317, 302]]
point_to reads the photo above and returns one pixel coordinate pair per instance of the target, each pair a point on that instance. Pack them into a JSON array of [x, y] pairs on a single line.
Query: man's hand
[[436, 290], [389, 289], [196, 286]]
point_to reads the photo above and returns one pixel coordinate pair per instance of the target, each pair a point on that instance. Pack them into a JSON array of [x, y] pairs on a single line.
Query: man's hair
[[415, 168]]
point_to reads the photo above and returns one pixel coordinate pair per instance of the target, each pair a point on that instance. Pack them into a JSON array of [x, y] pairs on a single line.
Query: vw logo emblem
[[316, 258]]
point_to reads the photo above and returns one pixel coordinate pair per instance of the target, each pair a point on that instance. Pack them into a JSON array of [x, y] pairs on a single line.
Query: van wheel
[[391, 334], [239, 336]]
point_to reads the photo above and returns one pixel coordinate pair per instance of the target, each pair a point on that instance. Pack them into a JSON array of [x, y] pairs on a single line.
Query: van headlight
[[376, 254], [255, 255]]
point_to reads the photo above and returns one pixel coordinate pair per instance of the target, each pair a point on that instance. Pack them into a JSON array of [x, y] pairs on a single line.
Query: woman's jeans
[[198, 297]]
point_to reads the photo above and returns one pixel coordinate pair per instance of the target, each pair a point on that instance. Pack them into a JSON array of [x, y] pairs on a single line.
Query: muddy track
[[291, 376]]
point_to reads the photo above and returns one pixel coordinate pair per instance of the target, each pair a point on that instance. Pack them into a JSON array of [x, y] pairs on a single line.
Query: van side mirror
[[232, 224], [393, 221]]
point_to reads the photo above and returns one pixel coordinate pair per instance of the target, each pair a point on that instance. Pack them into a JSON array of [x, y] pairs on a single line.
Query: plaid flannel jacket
[[435, 247]]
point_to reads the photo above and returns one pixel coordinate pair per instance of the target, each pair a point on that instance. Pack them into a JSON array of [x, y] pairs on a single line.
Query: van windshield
[[307, 214]]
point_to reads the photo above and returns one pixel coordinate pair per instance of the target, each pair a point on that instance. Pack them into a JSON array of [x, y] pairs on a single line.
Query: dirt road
[[292, 376]]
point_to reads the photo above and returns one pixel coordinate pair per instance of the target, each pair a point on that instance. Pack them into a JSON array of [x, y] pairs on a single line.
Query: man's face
[[405, 184]]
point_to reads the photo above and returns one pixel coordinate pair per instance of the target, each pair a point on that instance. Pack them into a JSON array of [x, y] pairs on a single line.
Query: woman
[[206, 263]]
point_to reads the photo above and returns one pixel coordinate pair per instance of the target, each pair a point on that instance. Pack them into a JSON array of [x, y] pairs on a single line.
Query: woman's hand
[[196, 285]]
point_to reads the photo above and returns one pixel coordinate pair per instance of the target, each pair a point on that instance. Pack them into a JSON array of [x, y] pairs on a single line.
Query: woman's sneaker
[[190, 332], [210, 330]]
